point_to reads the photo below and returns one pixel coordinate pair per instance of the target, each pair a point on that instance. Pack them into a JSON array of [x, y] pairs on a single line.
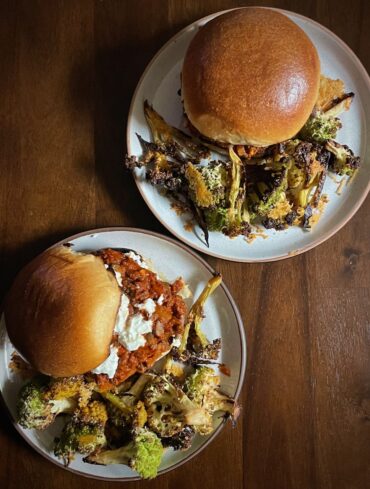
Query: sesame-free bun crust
[[250, 76], [60, 312]]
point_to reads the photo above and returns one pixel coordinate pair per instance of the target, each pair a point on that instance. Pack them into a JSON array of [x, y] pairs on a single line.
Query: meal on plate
[[110, 347], [253, 92]]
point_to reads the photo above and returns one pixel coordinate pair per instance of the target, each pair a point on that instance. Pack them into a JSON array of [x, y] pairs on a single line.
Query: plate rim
[[242, 371], [316, 242]]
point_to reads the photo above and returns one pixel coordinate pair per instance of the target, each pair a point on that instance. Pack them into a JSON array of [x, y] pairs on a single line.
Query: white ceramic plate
[[171, 260], [160, 84]]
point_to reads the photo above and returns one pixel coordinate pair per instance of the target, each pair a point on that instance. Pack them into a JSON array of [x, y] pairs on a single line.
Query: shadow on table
[[102, 86], [13, 258]]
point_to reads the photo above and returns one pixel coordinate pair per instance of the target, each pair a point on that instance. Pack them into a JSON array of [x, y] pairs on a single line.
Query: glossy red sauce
[[140, 284]]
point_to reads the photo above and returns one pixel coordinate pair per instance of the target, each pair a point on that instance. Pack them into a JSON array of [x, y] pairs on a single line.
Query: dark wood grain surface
[[67, 73]]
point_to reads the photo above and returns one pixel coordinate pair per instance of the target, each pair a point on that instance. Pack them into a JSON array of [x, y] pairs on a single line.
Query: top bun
[[250, 76], [60, 312]]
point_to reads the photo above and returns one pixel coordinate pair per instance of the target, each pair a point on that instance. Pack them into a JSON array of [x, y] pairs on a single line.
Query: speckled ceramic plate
[[160, 84], [171, 260]]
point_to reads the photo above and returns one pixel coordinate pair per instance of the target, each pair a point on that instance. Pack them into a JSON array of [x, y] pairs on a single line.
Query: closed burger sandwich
[[250, 77]]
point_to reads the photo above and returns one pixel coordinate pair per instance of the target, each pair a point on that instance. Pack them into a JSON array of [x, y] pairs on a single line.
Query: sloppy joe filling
[[151, 302]]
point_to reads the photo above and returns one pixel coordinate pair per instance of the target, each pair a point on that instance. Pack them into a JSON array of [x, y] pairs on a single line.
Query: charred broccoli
[[125, 408], [41, 400], [173, 142], [143, 454], [320, 127], [181, 440], [84, 433], [233, 219], [169, 409], [342, 161], [193, 339], [202, 387], [207, 184]]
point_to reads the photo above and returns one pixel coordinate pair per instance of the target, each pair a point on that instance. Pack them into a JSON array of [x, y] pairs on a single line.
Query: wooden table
[[67, 73]]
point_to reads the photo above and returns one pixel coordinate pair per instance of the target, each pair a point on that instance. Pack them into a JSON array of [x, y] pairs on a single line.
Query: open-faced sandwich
[[111, 347]]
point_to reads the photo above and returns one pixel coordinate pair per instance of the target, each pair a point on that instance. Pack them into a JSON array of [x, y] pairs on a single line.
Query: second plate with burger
[[122, 354], [247, 134]]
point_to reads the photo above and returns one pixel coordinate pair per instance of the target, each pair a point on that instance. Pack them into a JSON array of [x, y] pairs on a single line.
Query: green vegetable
[[202, 387], [143, 454], [41, 400], [84, 433], [320, 127], [343, 161], [169, 409], [193, 338]]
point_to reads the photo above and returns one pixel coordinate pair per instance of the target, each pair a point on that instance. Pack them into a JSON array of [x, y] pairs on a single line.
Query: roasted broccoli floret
[[305, 180], [339, 104], [181, 440], [268, 199], [169, 409], [84, 433], [174, 143], [320, 127], [228, 214], [343, 160], [207, 184], [202, 387], [193, 338], [143, 454], [124, 408], [41, 401]]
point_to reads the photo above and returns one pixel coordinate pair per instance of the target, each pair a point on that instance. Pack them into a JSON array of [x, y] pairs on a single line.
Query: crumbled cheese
[[185, 292], [137, 259], [131, 336], [110, 364], [176, 341], [149, 306], [122, 314], [160, 299], [118, 276]]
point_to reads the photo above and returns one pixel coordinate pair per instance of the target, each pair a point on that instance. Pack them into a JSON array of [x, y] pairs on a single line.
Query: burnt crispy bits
[[302, 154], [306, 217], [276, 224], [183, 147], [180, 441], [290, 218], [132, 162]]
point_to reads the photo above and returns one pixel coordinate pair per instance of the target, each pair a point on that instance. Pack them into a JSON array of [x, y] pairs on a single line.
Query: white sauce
[[131, 336], [136, 259], [149, 306], [185, 292], [122, 314], [118, 277], [160, 299], [176, 341], [109, 366]]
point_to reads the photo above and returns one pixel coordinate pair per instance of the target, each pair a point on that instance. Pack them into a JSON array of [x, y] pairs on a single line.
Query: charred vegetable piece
[[193, 338], [143, 454], [169, 409], [203, 387], [84, 433], [343, 161], [125, 408], [175, 143], [42, 400], [320, 127]]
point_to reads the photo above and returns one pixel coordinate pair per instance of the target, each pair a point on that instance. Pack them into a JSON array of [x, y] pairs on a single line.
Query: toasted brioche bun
[[60, 312], [250, 76]]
